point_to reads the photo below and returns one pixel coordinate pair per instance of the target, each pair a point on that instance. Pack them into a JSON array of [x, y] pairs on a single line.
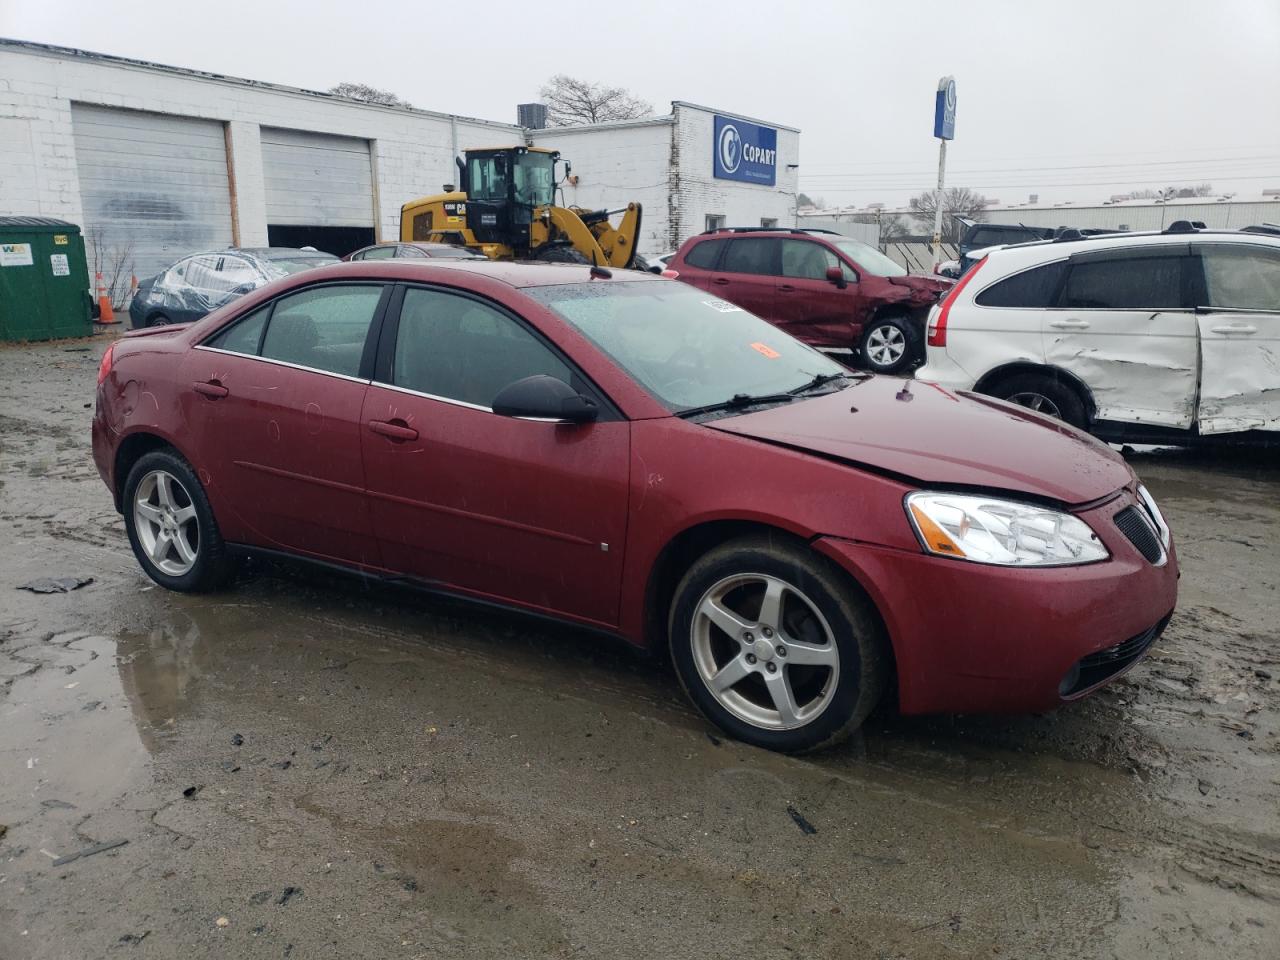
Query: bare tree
[[115, 263], [893, 228], [956, 202], [571, 102], [1147, 193], [362, 91]]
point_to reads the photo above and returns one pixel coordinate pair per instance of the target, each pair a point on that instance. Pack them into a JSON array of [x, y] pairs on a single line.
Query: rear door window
[[705, 254], [324, 328], [1240, 277], [758, 255], [1035, 289], [1125, 283]]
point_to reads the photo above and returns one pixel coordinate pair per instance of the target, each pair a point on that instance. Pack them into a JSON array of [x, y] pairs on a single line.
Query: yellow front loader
[[505, 207]]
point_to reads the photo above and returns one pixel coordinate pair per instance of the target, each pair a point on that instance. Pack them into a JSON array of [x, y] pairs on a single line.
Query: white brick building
[[156, 162]]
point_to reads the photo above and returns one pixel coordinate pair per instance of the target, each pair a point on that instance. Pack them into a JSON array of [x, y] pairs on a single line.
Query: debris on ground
[[56, 584], [192, 791], [237, 740], [135, 938], [89, 851], [804, 825], [259, 898], [288, 894], [223, 922]]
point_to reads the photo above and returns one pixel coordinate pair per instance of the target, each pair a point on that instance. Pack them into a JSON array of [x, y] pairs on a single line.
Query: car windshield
[[287, 265], [683, 345], [869, 259]]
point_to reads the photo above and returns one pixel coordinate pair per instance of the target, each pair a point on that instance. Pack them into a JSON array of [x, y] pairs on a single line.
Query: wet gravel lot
[[304, 766]]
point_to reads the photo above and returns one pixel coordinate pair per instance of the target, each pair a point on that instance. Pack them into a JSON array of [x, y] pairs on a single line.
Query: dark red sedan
[[634, 455]]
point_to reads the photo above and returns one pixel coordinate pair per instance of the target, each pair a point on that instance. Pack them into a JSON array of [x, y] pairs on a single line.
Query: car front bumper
[[975, 638]]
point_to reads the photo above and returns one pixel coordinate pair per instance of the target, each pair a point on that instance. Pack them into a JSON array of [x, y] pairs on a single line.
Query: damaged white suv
[[1156, 338]]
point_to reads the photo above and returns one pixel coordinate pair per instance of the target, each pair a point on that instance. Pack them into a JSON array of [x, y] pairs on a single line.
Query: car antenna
[[598, 272]]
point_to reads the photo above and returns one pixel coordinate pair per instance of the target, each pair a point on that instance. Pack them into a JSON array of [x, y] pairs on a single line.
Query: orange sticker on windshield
[[766, 350]]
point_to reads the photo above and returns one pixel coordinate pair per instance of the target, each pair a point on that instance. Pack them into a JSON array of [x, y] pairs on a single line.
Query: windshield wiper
[[820, 379], [738, 401]]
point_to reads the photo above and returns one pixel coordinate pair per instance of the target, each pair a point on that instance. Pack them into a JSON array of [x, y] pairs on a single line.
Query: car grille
[[1101, 666], [1133, 523]]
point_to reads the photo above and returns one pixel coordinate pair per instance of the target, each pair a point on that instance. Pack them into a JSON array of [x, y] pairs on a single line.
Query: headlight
[[1156, 516], [1003, 532]]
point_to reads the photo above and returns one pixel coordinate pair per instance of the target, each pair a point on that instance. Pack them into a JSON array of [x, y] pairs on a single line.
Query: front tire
[[775, 646], [889, 344], [171, 526]]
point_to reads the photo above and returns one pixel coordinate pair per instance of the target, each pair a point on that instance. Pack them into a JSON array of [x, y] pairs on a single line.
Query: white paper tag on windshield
[[724, 306]]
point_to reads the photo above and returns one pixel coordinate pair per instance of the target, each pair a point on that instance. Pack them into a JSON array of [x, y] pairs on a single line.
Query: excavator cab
[[504, 187]]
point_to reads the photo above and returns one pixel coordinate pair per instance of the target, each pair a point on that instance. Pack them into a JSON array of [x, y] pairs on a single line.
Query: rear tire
[[157, 320], [890, 344], [1044, 393], [775, 646], [171, 526]]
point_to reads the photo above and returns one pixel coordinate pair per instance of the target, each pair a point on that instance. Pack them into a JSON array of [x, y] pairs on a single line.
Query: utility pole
[[944, 128]]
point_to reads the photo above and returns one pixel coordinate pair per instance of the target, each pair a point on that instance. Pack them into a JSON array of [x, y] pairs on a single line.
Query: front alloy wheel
[[776, 645], [765, 651]]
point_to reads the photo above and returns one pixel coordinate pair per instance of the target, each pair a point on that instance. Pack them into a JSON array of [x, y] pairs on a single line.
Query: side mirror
[[450, 187], [836, 276], [544, 398]]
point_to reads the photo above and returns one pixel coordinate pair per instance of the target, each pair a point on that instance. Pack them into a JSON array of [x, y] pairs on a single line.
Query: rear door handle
[[720, 281], [786, 288], [393, 430], [1235, 328], [210, 388], [1069, 324]]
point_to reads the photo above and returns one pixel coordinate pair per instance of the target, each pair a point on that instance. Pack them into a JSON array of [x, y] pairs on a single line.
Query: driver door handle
[[786, 288], [1235, 328], [1069, 324], [720, 281], [210, 388], [396, 430]]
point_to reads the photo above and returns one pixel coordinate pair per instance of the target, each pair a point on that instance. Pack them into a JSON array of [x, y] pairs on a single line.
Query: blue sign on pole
[[745, 151], [944, 109]]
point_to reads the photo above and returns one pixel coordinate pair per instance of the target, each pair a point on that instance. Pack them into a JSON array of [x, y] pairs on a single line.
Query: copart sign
[[745, 151]]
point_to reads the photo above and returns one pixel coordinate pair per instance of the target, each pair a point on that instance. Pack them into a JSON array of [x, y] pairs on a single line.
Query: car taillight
[[670, 274], [938, 322], [104, 368]]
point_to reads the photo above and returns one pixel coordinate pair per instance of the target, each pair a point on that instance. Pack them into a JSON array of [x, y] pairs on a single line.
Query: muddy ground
[[306, 767]]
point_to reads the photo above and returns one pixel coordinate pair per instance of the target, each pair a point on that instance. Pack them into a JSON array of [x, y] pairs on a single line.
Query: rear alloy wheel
[[888, 344], [157, 320], [171, 526], [775, 647], [1044, 394]]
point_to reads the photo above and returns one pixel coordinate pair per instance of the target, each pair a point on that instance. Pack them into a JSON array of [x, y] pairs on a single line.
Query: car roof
[[1048, 251], [517, 275]]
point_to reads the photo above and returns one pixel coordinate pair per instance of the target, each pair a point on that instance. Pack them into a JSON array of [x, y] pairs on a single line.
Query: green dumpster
[[44, 281]]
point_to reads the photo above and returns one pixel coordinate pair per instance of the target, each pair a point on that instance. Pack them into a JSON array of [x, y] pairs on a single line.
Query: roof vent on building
[[531, 116]]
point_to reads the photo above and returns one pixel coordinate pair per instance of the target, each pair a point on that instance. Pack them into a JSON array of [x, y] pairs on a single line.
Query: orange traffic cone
[[106, 315]]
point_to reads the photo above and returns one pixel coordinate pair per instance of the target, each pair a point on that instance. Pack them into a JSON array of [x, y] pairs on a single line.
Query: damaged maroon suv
[[831, 291]]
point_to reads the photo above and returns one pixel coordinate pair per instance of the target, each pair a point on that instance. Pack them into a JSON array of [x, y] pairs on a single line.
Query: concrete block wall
[[616, 164], [699, 193], [413, 150]]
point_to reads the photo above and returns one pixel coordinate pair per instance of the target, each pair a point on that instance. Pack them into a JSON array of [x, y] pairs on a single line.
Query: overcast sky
[[1072, 100]]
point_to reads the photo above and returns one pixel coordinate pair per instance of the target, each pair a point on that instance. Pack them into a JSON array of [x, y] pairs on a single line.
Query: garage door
[[319, 190], [154, 188]]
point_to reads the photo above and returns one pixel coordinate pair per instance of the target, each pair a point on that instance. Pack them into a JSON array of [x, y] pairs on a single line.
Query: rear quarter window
[[1032, 289]]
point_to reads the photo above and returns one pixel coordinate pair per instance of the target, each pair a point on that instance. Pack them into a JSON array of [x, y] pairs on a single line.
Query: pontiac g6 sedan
[[634, 455]]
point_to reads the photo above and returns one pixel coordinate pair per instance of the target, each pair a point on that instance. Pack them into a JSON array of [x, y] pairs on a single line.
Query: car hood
[[930, 435], [920, 283]]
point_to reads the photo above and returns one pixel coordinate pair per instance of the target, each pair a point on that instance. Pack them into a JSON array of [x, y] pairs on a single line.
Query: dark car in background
[[395, 250], [199, 284], [831, 291]]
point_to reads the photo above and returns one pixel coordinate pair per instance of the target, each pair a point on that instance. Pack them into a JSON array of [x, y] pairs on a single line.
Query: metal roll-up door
[[319, 190], [154, 188]]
